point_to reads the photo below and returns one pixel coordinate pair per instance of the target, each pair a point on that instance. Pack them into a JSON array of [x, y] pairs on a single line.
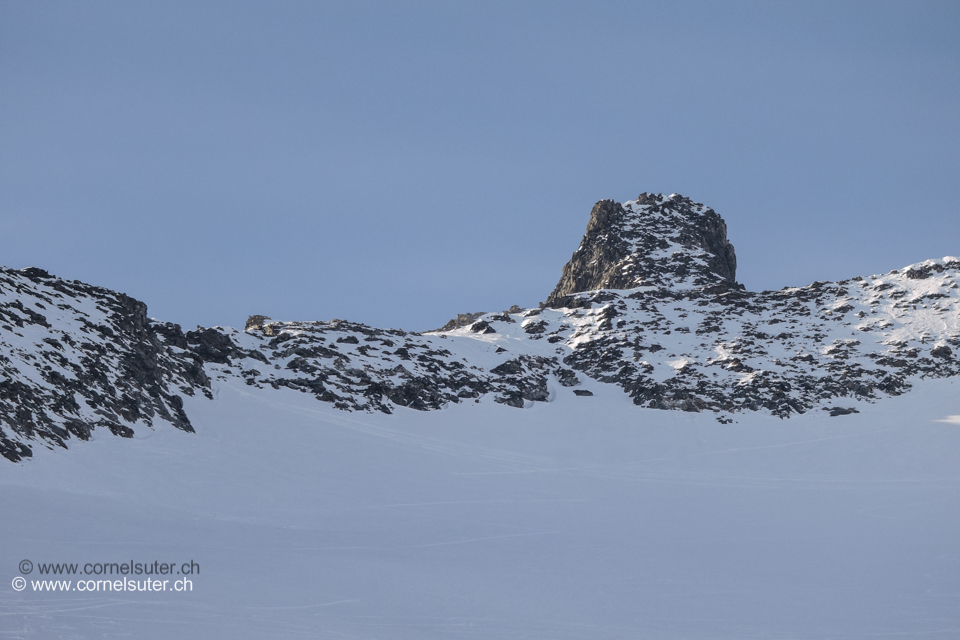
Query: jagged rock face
[[74, 357], [648, 303], [671, 242], [255, 322]]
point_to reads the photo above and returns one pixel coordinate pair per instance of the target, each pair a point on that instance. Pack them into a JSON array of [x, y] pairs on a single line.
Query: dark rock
[[567, 378], [13, 451], [840, 411], [79, 428], [34, 272], [172, 334], [255, 322], [482, 327], [535, 327], [462, 320], [943, 351], [119, 430], [510, 367], [212, 346]]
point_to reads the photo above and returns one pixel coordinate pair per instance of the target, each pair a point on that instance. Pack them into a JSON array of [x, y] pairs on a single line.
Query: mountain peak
[[75, 358], [654, 241]]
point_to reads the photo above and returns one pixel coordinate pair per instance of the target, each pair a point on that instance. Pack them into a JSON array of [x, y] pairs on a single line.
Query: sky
[[398, 163]]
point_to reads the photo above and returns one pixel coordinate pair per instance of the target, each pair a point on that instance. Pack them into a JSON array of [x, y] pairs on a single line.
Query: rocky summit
[[670, 243], [648, 302]]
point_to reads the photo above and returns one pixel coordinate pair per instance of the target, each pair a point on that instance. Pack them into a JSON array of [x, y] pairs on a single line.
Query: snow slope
[[584, 517]]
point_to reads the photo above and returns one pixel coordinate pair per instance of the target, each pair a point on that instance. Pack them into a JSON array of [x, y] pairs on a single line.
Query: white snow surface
[[583, 517]]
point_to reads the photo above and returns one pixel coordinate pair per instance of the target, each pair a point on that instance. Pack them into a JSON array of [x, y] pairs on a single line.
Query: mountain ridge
[[649, 302]]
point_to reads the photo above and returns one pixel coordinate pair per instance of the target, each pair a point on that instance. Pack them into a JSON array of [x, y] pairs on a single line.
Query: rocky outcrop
[[74, 358], [255, 322], [670, 242]]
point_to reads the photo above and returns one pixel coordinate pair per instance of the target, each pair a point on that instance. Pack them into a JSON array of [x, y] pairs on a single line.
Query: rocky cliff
[[671, 243], [75, 357]]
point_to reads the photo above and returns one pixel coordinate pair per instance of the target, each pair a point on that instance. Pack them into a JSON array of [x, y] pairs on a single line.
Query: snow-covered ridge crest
[[648, 303]]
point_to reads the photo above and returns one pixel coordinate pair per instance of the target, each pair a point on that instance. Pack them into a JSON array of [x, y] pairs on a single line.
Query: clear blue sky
[[397, 163]]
